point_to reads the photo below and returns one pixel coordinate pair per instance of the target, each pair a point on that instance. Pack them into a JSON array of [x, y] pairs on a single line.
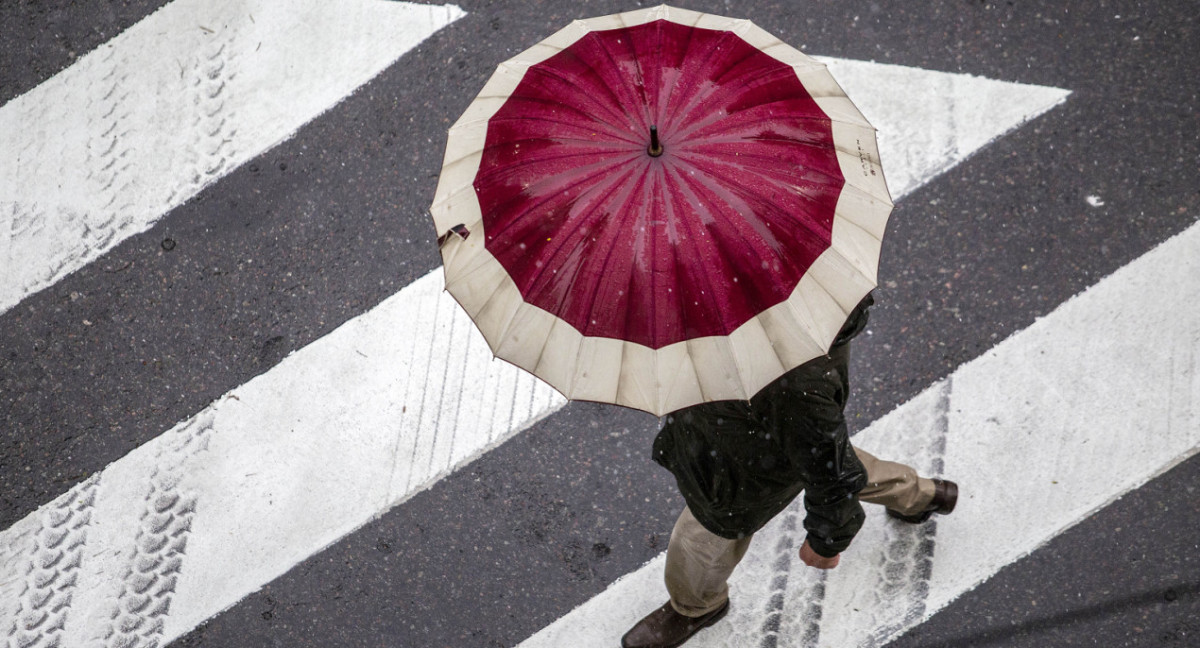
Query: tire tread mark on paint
[[1185, 380], [416, 379], [486, 422], [68, 235], [779, 584], [450, 422], [208, 154], [906, 564], [775, 587], [51, 569], [805, 587], [464, 372], [27, 228], [107, 160], [412, 389], [15, 550], [156, 558]]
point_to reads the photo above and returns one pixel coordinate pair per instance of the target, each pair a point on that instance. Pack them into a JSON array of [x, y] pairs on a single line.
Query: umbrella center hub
[[655, 149]]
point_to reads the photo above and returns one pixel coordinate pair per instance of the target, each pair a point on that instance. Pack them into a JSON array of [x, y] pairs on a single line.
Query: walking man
[[739, 463]]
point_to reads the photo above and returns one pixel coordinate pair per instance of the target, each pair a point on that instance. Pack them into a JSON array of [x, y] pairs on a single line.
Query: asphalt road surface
[[274, 249]]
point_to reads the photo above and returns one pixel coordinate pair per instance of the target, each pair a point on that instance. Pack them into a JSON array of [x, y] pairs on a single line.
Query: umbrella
[[660, 208]]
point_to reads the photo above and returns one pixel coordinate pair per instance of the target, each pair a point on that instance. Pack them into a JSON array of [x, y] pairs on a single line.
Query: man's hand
[[814, 559]]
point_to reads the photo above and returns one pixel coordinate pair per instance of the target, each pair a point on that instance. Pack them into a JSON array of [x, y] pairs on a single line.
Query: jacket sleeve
[[834, 513], [835, 475]]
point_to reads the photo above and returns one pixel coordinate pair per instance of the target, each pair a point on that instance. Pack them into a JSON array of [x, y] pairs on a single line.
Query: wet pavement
[[324, 226]]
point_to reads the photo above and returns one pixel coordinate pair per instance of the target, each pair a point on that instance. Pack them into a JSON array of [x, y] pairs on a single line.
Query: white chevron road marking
[[102, 150], [359, 421], [1070, 413]]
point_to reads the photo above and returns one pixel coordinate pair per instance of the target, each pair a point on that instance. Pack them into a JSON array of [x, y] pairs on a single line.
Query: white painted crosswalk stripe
[[357, 422], [102, 150], [1029, 468]]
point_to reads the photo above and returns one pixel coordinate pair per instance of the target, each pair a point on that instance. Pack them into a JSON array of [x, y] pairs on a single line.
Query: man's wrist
[[820, 548]]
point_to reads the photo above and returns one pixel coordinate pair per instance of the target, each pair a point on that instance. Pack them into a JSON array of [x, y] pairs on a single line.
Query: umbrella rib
[[633, 125], [741, 115], [832, 295], [731, 70], [699, 98], [647, 200], [770, 168], [664, 106], [863, 192], [610, 129], [751, 196], [591, 207], [588, 93], [597, 170], [615, 147], [715, 118], [714, 307], [612, 233], [593, 149], [679, 114], [685, 223], [535, 279], [637, 63], [740, 373], [531, 160], [502, 333]]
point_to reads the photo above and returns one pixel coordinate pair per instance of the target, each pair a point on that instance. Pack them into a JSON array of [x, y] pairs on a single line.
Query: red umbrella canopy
[[658, 249], [660, 208]]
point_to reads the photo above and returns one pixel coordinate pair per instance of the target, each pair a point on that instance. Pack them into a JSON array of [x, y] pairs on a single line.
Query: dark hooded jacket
[[739, 463]]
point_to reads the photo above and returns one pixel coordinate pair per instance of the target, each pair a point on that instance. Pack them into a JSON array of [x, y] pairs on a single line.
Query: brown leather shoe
[[945, 496], [666, 628]]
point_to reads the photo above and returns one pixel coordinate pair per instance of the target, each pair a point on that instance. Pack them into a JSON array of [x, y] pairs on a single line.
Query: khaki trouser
[[699, 562]]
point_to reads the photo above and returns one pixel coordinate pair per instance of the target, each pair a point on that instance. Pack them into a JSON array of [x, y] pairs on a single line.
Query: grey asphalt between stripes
[[277, 254], [446, 548], [978, 254], [40, 39]]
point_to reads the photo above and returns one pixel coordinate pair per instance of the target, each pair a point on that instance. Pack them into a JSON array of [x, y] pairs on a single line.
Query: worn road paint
[[360, 420], [928, 122], [1122, 412], [103, 149]]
